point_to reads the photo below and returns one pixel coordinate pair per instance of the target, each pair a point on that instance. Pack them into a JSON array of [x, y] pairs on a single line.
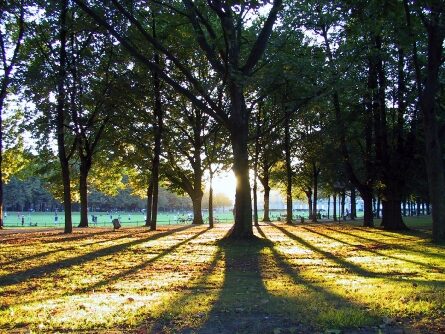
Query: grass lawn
[[182, 279]]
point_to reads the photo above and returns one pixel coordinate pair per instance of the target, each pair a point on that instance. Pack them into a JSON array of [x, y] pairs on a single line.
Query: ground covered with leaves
[[326, 278]]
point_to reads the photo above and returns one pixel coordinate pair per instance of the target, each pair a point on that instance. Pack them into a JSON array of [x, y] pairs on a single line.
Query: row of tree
[[343, 94]]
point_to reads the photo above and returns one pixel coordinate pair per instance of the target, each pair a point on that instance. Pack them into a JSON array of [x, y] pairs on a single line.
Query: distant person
[[129, 217], [6, 215], [56, 218], [23, 220]]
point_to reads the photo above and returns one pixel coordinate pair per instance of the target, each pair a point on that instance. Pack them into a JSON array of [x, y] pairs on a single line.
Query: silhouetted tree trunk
[[334, 214], [211, 198], [61, 116], [316, 172], [149, 202], [433, 23], [353, 204], [158, 128], [287, 149], [85, 165]]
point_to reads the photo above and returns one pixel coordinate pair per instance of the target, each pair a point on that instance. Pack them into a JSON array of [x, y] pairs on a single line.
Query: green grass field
[[46, 219], [311, 278]]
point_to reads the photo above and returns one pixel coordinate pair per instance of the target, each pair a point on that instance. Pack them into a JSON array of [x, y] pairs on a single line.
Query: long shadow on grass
[[60, 249], [21, 276], [389, 245], [339, 261], [142, 265], [242, 304], [246, 305], [54, 236], [373, 251]]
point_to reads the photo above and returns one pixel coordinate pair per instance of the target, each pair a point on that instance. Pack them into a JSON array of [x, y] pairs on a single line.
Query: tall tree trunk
[[197, 207], [255, 200], [368, 218], [149, 202], [255, 168], [60, 119], [310, 210], [287, 149], [329, 206], [242, 228], [434, 154], [314, 205], [158, 135], [83, 191], [404, 208], [211, 199], [334, 214], [353, 204], [343, 200], [378, 205]]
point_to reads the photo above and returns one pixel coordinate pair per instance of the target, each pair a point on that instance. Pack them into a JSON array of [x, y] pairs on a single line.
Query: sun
[[225, 183]]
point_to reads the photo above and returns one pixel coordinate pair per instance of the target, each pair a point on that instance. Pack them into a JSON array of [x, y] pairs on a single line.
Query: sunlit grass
[[294, 279]]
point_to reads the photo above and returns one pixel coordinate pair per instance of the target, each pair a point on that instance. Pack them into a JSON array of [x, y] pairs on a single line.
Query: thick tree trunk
[[149, 202], [353, 204], [83, 192], [392, 215], [242, 228], [60, 120], [2, 97], [434, 155], [368, 218], [197, 208]]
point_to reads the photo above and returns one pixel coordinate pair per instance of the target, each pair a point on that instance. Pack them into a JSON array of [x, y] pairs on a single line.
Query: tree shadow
[[339, 261], [142, 265], [373, 251], [244, 304], [390, 245], [55, 251], [21, 276]]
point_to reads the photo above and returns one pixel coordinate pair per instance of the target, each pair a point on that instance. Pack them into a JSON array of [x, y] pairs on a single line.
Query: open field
[[46, 219], [294, 279]]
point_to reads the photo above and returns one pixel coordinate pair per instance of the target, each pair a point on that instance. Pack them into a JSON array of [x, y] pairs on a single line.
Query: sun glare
[[225, 183]]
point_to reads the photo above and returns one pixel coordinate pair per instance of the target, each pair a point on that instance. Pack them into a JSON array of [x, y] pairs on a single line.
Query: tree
[[12, 29], [233, 62]]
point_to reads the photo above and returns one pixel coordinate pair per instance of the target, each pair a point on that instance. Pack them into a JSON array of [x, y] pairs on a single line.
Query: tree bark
[[334, 214], [149, 202], [343, 198], [211, 199], [287, 149], [197, 207], [60, 119], [427, 96], [353, 204], [158, 136], [83, 191], [242, 229], [314, 205]]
